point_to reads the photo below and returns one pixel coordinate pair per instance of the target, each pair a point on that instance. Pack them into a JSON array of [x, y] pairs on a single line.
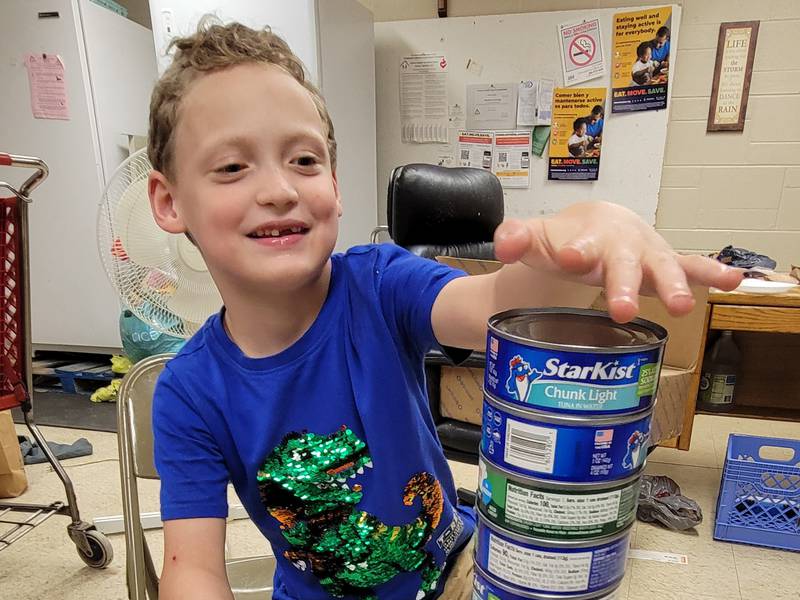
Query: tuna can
[[486, 587], [570, 448], [555, 511], [573, 569], [573, 361]]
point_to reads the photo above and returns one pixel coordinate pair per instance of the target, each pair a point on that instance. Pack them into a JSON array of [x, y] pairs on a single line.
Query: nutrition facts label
[[539, 570], [533, 506]]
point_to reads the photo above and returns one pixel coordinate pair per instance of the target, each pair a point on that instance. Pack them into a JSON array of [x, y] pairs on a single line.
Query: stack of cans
[[568, 398]]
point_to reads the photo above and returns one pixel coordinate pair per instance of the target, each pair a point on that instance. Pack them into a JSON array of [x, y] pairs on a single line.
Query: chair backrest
[[444, 211], [135, 408]]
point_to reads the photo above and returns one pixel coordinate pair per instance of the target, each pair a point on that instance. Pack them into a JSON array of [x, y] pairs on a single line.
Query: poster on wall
[[492, 106], [581, 51], [736, 49], [574, 151], [423, 99], [475, 149], [512, 158], [641, 60]]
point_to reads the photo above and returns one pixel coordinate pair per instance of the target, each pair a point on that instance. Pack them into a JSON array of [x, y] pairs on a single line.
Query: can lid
[[577, 329], [606, 594]]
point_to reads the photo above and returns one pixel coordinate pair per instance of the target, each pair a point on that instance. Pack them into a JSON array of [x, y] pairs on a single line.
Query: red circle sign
[[581, 50]]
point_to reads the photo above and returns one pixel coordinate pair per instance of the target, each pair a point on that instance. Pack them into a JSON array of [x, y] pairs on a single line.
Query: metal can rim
[[569, 486], [574, 420], [659, 331], [560, 544], [601, 595]]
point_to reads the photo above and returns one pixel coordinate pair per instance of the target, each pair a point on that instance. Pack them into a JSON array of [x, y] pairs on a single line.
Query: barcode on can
[[502, 157], [465, 155], [530, 446]]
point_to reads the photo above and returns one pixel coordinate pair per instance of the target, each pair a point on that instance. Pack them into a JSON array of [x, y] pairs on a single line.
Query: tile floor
[[45, 565]]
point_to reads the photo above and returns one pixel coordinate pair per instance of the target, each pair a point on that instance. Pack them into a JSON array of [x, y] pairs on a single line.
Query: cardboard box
[[12, 471], [462, 388]]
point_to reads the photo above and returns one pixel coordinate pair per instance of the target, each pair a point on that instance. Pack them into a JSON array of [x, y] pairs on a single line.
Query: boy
[[578, 142], [644, 67], [307, 389]]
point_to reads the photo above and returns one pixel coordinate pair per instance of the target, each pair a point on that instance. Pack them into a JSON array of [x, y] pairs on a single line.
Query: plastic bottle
[[718, 379]]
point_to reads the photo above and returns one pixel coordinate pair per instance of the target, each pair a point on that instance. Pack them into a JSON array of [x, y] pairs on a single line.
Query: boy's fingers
[[708, 272], [668, 278], [580, 255], [511, 241], [623, 278]]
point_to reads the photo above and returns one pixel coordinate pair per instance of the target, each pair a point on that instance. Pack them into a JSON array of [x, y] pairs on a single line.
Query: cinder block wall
[[717, 188]]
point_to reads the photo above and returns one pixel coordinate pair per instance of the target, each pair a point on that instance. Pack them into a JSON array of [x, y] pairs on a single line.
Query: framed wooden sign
[[736, 48]]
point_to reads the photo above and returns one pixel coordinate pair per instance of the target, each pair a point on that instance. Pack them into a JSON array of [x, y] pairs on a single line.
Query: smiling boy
[[307, 390]]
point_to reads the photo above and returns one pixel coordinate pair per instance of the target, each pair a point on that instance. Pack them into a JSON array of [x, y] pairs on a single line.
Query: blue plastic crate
[[759, 498]]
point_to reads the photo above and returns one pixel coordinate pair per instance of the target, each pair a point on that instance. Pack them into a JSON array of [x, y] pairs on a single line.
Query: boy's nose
[[276, 189]]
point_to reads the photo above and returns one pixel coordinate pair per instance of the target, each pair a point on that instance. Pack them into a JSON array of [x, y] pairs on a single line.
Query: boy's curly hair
[[214, 47]]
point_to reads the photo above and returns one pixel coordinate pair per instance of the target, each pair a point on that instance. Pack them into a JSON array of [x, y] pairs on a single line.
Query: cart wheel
[[102, 551]]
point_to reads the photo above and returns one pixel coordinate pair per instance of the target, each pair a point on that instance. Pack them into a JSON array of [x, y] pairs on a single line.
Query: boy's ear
[[162, 203], [338, 195]]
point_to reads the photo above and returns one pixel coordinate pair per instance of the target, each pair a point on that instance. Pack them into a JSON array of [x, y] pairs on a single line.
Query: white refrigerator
[[109, 70]]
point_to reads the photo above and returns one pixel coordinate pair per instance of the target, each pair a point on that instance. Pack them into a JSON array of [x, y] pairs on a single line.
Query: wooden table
[[767, 328]]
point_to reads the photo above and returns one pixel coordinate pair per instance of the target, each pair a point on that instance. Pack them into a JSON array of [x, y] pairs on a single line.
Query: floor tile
[[766, 573]]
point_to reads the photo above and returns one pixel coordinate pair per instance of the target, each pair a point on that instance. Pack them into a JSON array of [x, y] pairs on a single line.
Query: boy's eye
[[231, 168], [306, 161]]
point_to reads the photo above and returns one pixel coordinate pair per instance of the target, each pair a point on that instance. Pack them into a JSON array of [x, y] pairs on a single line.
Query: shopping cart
[[16, 378]]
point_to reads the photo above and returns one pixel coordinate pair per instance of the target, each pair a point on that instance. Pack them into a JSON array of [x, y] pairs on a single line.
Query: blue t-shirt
[[659, 54], [594, 129], [329, 444]]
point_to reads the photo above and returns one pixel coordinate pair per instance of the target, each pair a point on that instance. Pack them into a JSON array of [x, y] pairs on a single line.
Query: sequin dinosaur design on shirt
[[304, 484]]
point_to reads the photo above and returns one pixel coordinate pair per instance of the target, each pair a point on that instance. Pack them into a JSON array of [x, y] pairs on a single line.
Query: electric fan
[[160, 276]]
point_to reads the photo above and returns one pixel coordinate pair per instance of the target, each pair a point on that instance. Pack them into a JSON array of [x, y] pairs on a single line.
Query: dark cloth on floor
[[32, 454]]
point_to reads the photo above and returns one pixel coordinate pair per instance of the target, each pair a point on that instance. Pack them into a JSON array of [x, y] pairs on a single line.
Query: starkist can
[[565, 448], [555, 510], [577, 568], [486, 587], [573, 361]]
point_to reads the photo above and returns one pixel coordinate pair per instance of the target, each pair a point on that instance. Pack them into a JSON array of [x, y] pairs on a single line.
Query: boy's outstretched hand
[[604, 244]]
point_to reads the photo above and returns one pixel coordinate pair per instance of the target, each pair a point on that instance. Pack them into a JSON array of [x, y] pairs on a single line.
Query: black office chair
[[439, 211]]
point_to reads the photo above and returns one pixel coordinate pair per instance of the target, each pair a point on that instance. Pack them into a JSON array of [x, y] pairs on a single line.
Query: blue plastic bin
[[759, 498]]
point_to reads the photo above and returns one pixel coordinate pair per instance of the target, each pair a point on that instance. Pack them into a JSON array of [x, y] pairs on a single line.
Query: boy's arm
[[194, 561], [549, 262]]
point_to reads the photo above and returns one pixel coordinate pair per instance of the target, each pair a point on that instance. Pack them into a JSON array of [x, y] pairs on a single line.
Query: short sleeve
[[408, 287], [193, 474]]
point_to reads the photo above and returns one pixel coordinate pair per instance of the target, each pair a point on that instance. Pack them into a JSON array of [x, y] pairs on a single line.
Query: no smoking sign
[[581, 51]]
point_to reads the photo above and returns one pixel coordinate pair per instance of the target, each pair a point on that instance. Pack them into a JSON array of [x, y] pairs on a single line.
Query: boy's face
[[581, 130], [253, 182], [646, 55]]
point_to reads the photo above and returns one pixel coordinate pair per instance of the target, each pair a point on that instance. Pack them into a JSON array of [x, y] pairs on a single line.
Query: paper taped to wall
[[423, 98]]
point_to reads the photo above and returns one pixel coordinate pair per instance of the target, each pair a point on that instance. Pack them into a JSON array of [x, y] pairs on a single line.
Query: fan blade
[[144, 242], [195, 305]]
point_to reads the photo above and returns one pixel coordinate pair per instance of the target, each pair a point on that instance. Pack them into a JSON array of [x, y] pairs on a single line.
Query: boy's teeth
[[275, 233], [295, 230]]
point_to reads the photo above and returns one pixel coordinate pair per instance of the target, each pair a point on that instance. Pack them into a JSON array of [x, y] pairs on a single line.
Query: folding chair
[[250, 578]]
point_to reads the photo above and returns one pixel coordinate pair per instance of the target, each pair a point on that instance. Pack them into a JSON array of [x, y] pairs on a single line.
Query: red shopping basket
[[12, 373]]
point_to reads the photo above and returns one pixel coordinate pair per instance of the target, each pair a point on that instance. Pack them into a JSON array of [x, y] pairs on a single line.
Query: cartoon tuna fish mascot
[[520, 379], [636, 450]]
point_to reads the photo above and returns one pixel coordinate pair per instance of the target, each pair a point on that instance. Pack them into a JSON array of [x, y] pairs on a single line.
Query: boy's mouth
[[279, 232]]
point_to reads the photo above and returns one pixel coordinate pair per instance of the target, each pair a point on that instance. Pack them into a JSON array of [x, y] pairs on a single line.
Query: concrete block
[[741, 188], [681, 177], [688, 109], [783, 246], [773, 153], [776, 43], [714, 11], [789, 213], [677, 208], [698, 36], [774, 118], [774, 82], [792, 178], [688, 143], [694, 73], [736, 218]]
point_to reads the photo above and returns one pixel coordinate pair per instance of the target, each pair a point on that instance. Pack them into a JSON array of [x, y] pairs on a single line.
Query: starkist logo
[[604, 371]]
